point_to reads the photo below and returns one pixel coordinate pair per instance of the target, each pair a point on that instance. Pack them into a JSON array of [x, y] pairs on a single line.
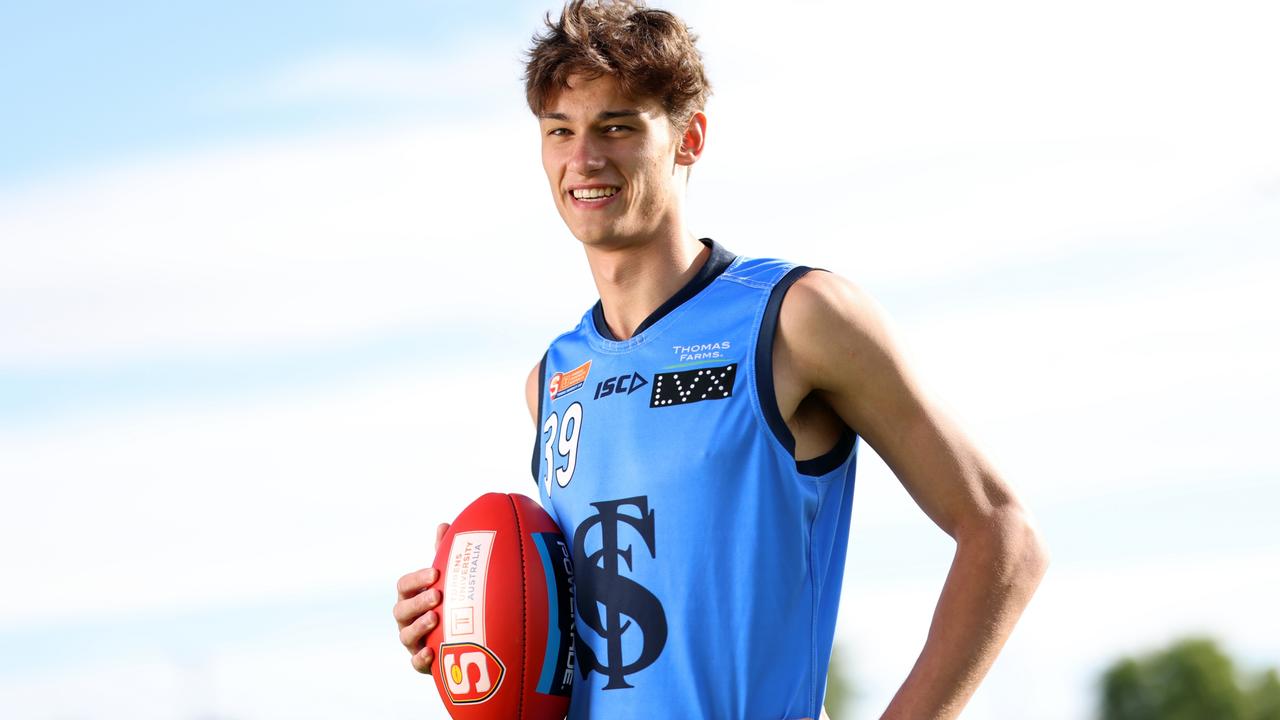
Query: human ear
[[693, 141]]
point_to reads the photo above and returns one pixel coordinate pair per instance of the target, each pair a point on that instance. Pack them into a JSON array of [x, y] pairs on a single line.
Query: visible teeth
[[593, 193]]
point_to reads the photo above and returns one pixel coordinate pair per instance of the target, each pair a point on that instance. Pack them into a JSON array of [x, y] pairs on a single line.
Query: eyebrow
[[605, 115]]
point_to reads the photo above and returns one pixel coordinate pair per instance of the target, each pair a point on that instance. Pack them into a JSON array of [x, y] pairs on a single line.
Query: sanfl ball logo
[[471, 673]]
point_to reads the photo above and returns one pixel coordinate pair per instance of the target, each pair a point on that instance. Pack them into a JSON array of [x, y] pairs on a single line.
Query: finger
[[440, 531], [421, 661], [406, 611], [416, 581], [412, 635]]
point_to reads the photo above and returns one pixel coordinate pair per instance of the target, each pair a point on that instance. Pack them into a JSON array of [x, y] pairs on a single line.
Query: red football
[[504, 644]]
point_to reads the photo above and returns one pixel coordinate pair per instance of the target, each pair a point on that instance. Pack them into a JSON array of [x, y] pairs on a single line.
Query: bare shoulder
[[820, 296], [839, 343], [531, 390], [833, 334]]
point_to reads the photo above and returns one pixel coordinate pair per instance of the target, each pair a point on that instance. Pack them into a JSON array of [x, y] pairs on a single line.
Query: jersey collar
[[716, 263]]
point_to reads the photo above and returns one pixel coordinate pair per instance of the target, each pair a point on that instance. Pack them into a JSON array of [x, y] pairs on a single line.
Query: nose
[[586, 157]]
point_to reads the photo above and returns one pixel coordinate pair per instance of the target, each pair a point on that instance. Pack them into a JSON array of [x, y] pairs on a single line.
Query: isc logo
[[471, 673], [621, 384]]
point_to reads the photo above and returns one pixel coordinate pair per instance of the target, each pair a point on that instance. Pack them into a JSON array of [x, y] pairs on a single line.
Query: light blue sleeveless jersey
[[708, 562]]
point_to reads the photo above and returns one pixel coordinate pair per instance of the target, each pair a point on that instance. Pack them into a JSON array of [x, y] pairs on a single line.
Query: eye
[[558, 132], [616, 128]]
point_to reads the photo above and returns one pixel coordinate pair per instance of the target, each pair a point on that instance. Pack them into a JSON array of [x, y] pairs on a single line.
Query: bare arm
[[531, 392], [857, 371]]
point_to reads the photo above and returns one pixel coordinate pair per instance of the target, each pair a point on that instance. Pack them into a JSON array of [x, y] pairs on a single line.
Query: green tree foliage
[[1264, 697], [840, 690], [1193, 679]]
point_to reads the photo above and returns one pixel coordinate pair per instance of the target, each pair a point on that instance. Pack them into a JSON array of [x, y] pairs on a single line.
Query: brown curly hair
[[649, 52]]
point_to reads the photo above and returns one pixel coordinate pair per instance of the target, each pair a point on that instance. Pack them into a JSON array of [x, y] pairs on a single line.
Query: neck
[[635, 280]]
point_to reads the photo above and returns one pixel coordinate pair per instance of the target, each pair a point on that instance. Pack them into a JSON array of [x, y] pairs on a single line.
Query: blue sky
[[274, 277], [89, 83]]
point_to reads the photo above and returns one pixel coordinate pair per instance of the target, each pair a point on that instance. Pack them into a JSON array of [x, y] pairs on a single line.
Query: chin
[[596, 236], [597, 240]]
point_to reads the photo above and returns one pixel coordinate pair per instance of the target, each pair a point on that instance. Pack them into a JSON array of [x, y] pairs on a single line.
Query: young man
[[697, 431]]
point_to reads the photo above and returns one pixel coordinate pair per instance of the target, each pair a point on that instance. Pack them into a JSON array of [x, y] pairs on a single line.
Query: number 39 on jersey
[[560, 446]]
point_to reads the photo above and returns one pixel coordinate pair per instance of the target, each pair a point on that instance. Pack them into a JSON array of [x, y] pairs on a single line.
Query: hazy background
[[272, 276]]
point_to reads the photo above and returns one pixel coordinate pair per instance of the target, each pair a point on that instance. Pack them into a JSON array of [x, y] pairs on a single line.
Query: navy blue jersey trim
[[717, 262], [764, 359], [834, 457], [831, 459], [537, 422]]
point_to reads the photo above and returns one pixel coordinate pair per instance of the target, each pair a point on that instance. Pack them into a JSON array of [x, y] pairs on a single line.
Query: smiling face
[[616, 167]]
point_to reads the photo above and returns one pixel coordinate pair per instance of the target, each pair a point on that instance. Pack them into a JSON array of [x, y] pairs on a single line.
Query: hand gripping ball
[[504, 644]]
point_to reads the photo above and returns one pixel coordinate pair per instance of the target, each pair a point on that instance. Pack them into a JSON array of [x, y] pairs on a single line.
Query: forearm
[[995, 570]]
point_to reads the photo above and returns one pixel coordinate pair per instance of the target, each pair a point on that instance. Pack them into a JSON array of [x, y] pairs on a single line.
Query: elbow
[[1008, 542], [1030, 553]]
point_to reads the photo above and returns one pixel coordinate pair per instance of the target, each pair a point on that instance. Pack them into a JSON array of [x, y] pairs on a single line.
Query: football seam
[[524, 609]]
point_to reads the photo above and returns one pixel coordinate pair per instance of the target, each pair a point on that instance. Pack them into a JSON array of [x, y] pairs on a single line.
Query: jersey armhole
[[831, 459], [537, 421]]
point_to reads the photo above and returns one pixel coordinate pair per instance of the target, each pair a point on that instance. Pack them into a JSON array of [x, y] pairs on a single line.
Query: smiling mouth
[[594, 194]]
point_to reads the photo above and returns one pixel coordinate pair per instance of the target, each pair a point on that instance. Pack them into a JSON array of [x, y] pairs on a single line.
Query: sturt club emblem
[[629, 609]]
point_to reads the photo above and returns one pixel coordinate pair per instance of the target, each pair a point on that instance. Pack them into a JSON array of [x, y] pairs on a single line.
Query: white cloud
[[1081, 619], [220, 503], [320, 668], [900, 74], [482, 74], [267, 244], [1078, 129]]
